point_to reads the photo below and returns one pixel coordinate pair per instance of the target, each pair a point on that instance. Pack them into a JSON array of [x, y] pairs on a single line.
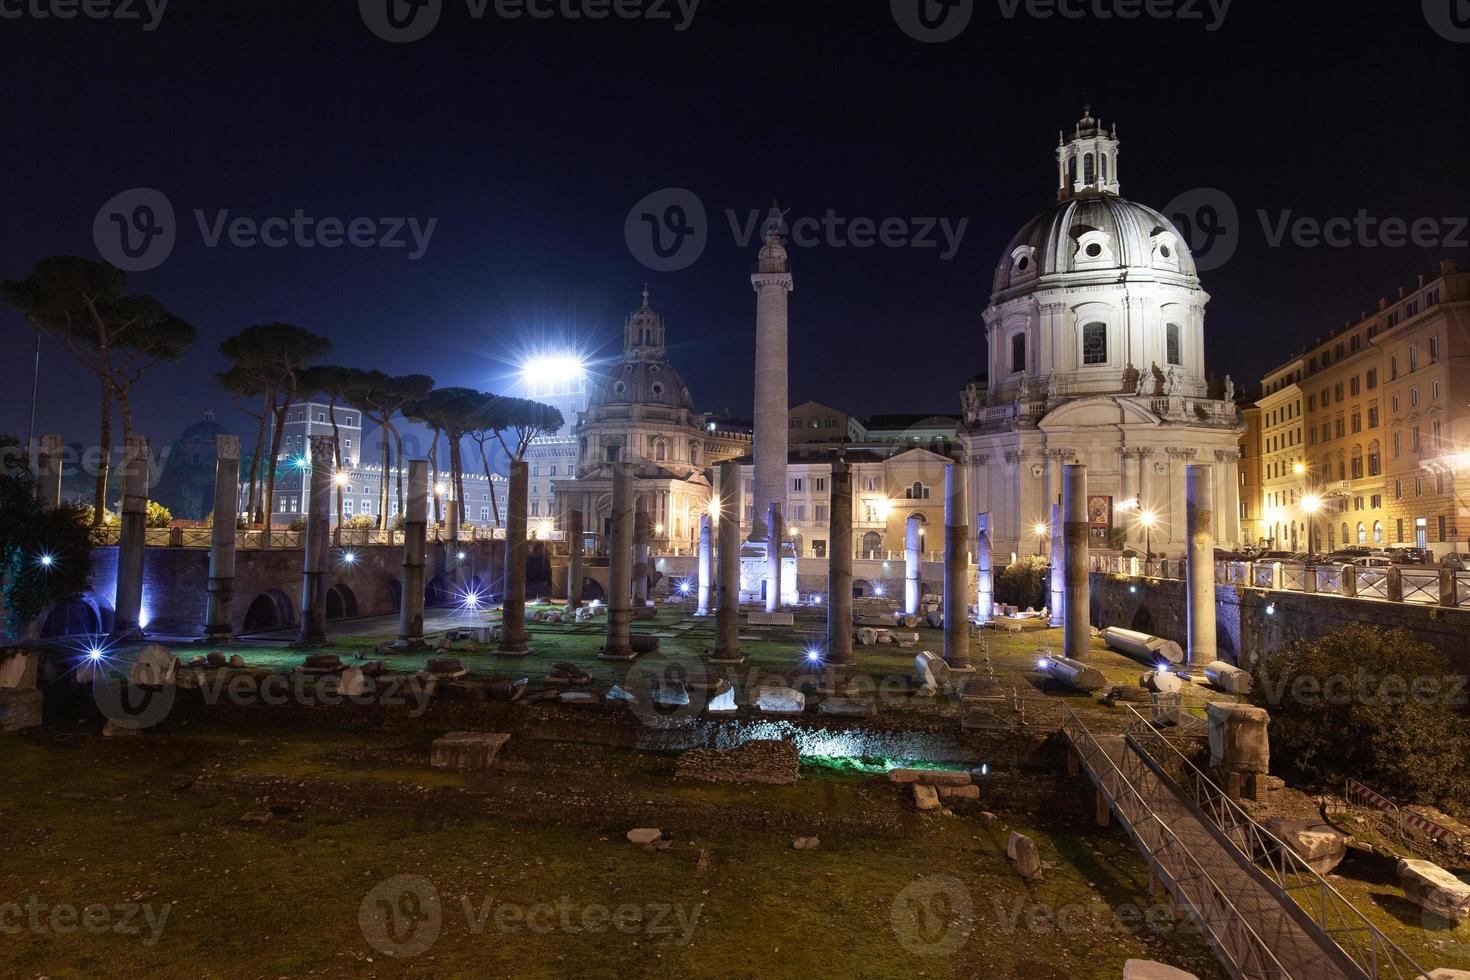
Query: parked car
[[1276, 556], [1411, 556], [1457, 560], [1372, 561], [1343, 556]]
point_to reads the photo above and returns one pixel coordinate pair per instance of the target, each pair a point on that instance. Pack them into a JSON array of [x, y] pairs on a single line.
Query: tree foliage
[[1023, 582], [1371, 704], [27, 533]]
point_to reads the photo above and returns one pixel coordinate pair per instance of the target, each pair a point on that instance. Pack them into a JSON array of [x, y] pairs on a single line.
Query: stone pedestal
[[317, 543], [775, 539], [222, 540], [415, 533], [727, 592], [839, 569], [1239, 739], [956, 571], [574, 562], [48, 472], [1077, 630], [1199, 574], [128, 600], [620, 567], [513, 632], [984, 570], [706, 565]]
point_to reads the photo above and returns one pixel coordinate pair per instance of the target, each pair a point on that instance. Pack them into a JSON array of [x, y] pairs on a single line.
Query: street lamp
[[1147, 518], [1311, 503]]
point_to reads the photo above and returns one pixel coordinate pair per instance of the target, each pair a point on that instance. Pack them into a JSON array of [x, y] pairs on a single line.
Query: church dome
[[642, 382], [1093, 232], [643, 377]]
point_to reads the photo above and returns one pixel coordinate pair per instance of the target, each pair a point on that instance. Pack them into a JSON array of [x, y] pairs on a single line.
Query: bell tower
[[1088, 162]]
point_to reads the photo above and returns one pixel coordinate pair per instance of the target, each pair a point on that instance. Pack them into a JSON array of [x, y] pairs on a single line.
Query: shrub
[[298, 523], [45, 555], [1023, 582], [84, 512], [1372, 704], [359, 522], [158, 515]]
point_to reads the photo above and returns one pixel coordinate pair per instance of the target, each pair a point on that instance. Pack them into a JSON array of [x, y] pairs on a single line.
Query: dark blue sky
[[530, 140]]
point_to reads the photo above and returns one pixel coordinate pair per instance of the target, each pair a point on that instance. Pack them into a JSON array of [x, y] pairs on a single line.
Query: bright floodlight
[[348, 557], [46, 561], [459, 555], [1298, 468], [553, 367], [440, 489], [1040, 528], [340, 479], [1311, 503], [94, 654], [685, 588], [879, 591], [1146, 518], [301, 462]]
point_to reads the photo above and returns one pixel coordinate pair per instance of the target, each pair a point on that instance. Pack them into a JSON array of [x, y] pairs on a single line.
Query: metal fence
[[1421, 585]]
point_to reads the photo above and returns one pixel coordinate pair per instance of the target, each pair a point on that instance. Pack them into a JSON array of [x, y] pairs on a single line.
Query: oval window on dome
[[654, 368], [1165, 251], [658, 388], [1093, 250], [1024, 263], [619, 388]]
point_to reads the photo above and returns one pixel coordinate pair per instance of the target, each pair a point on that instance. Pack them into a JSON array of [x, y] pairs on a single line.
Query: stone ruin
[[757, 761]]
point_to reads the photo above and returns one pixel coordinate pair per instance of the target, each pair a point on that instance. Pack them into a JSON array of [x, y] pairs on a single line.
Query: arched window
[[1095, 343], [660, 451], [1377, 532], [1104, 160], [1089, 169], [693, 453], [1018, 353], [1173, 344], [1362, 533]]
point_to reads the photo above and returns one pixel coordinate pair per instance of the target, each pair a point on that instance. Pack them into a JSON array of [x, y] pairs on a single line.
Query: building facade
[[1283, 459], [1095, 338]]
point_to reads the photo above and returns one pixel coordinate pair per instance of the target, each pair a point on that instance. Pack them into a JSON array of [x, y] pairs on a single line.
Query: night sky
[[530, 140]]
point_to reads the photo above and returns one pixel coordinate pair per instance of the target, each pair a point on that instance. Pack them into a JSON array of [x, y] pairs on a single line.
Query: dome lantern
[[1088, 162]]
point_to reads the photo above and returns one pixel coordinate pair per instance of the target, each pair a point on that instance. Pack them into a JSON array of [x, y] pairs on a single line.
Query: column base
[[622, 655], [726, 659], [126, 634], [524, 650], [966, 669], [302, 643], [415, 643], [215, 639]]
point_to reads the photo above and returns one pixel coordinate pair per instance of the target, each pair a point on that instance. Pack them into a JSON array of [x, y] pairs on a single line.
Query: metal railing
[[1395, 583], [1373, 952], [1225, 928], [1402, 819]]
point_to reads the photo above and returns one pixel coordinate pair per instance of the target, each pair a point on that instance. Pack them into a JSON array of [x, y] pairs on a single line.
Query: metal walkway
[[1263, 911]]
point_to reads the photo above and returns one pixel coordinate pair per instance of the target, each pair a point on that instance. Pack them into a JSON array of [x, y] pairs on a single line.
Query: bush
[[360, 522], [158, 515], [1372, 704], [84, 513], [45, 555], [1023, 582], [298, 523]]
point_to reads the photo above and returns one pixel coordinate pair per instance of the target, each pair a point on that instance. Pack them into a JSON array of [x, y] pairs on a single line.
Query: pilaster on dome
[[643, 333], [1088, 161]]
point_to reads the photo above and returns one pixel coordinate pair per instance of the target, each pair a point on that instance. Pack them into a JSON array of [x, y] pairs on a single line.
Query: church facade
[[1095, 349]]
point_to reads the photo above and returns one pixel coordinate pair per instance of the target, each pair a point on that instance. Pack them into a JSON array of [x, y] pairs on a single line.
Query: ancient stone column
[[912, 543], [642, 569], [727, 581], [984, 570], [415, 532], [451, 514], [574, 562], [956, 571], [128, 601], [706, 564], [772, 283], [1199, 574], [513, 631], [317, 542], [1077, 635], [1058, 572], [839, 568], [620, 567], [774, 531], [48, 472], [222, 539]]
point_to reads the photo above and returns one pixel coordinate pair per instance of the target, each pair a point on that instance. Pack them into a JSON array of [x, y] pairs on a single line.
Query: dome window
[[1166, 250], [1173, 351], [1095, 343], [658, 388], [1018, 353], [619, 388], [1094, 248]]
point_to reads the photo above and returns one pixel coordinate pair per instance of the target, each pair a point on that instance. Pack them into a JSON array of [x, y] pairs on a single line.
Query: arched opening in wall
[[796, 543], [1143, 621], [592, 589], [270, 610], [395, 594], [83, 616], [439, 592], [861, 587], [872, 544], [341, 602]]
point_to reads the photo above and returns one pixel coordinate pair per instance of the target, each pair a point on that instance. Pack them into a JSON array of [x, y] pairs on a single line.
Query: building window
[[1372, 416], [1441, 522], [1374, 465], [1372, 378], [612, 453], [1413, 397], [916, 492], [1377, 532], [819, 484], [798, 484], [1095, 343], [1434, 355], [820, 512], [1434, 390], [1398, 489], [1393, 372], [1173, 345], [1018, 353], [1394, 403], [1400, 529], [1413, 358]]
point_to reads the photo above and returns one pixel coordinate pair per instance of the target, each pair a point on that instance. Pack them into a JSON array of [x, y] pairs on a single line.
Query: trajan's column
[[772, 281]]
